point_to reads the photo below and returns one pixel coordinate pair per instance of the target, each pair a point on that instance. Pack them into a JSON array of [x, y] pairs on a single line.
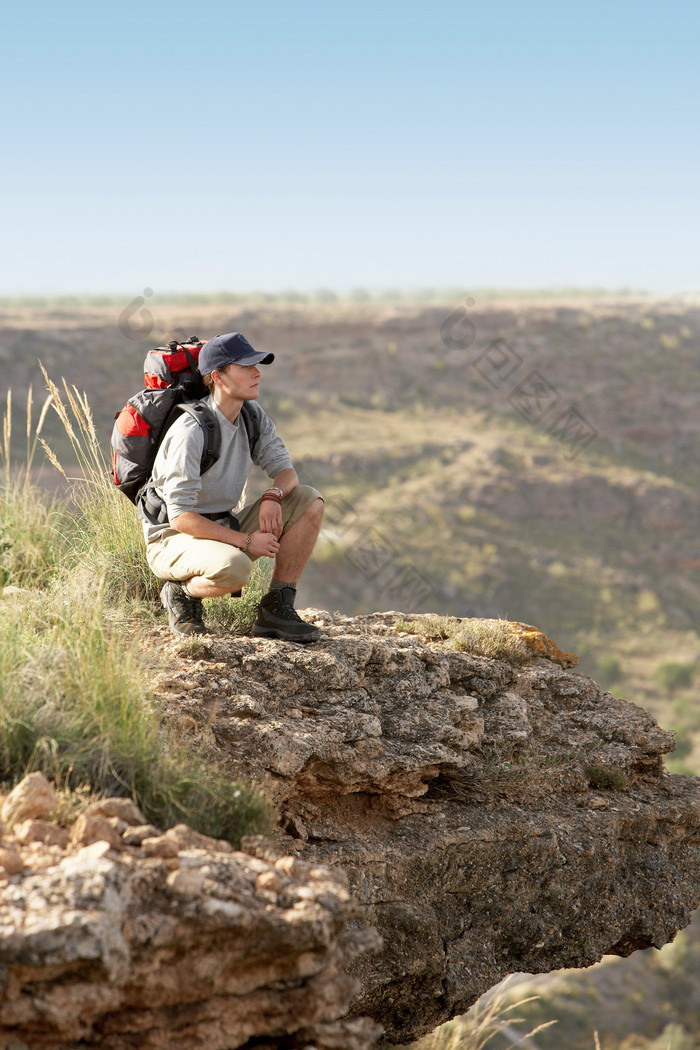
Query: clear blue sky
[[202, 146]]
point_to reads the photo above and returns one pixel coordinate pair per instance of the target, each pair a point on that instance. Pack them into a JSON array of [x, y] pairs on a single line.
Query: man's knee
[[315, 510], [230, 570], [312, 499], [182, 557]]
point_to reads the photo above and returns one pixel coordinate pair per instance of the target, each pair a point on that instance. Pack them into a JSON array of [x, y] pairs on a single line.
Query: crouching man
[[199, 548]]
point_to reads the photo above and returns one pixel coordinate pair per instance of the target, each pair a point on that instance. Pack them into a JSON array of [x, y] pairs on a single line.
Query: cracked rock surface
[[490, 818]]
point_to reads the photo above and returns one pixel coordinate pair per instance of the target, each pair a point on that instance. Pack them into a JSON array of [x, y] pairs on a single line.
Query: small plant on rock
[[606, 778]]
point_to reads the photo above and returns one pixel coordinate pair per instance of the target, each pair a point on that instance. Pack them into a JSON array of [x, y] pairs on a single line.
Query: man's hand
[[263, 544], [271, 517]]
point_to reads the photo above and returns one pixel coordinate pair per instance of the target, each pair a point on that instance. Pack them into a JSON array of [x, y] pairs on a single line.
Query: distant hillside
[[531, 458]]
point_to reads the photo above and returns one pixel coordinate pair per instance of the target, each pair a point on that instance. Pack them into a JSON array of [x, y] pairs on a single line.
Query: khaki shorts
[[175, 556]]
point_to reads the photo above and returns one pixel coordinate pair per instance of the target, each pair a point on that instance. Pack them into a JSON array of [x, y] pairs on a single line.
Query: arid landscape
[[527, 457], [446, 489]]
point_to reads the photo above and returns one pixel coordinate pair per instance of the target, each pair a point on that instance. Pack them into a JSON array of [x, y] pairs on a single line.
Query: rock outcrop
[[446, 819], [491, 818], [174, 940]]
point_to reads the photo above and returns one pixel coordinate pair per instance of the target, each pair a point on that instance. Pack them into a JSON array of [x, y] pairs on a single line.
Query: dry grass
[[33, 526], [605, 778], [492, 1015], [107, 536], [491, 639], [74, 686]]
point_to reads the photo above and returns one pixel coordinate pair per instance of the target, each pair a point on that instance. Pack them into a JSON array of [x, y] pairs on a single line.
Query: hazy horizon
[[358, 293]]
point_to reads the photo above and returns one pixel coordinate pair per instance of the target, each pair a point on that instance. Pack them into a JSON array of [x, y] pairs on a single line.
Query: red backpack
[[172, 380]]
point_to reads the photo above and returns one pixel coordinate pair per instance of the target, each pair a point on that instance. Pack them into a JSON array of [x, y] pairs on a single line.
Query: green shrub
[[672, 676], [236, 615]]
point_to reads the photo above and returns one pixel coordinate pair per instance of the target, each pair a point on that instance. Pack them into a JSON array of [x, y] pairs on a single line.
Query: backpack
[[172, 384]]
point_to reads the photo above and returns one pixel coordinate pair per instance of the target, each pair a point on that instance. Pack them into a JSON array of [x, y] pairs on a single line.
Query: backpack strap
[[188, 355], [211, 430], [251, 422], [148, 501]]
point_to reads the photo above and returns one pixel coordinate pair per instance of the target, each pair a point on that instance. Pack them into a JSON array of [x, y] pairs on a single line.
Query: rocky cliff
[[486, 815]]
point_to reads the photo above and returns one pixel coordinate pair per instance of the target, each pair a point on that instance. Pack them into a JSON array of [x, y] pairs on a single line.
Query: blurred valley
[[532, 457]]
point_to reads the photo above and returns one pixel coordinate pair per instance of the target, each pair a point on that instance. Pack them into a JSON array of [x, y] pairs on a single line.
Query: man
[[199, 551]]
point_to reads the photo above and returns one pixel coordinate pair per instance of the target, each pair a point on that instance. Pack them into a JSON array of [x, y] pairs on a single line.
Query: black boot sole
[[273, 632]]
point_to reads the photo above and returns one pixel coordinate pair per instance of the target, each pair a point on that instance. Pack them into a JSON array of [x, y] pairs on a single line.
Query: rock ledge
[[446, 820]]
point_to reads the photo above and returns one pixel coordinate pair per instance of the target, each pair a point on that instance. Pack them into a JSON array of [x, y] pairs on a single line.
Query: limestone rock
[[186, 883], [88, 829], [11, 862], [186, 838], [134, 836], [100, 953], [41, 831], [539, 644], [123, 808], [33, 797], [160, 846]]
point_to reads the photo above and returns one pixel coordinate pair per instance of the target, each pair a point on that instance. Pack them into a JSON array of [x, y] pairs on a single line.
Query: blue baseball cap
[[230, 349]]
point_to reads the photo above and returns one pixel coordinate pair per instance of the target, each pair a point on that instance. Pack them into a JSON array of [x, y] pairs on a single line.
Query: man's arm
[[262, 543], [286, 480]]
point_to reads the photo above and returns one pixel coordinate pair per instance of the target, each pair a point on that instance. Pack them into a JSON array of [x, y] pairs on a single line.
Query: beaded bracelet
[[246, 545]]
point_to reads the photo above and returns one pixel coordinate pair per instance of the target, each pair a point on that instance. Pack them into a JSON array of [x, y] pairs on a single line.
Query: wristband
[[273, 488], [275, 499]]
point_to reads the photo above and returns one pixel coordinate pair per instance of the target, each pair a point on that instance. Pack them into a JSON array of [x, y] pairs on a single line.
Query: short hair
[[209, 382]]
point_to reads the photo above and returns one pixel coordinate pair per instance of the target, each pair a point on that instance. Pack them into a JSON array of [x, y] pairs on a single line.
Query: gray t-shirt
[[176, 472]]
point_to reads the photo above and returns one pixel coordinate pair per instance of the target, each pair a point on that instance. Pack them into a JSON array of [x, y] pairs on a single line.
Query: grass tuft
[[605, 778], [491, 639], [75, 704], [236, 615]]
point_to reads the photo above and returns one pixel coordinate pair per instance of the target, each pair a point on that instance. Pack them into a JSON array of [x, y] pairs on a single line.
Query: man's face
[[238, 381]]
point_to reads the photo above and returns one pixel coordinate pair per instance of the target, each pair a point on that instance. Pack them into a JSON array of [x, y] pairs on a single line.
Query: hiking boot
[[277, 618], [184, 612]]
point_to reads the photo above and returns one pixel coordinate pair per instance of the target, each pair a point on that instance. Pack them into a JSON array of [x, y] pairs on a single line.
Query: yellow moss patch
[[540, 645]]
